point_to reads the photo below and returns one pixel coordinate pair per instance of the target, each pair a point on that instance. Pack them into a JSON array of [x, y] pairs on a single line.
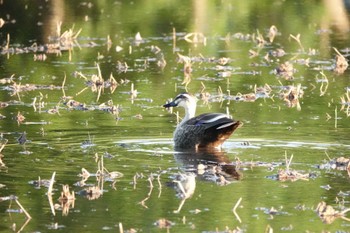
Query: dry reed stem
[[335, 117], [3, 144], [174, 40], [288, 161], [49, 192], [63, 83], [234, 210], [135, 181], [149, 193], [24, 225], [268, 229], [327, 156], [49, 197], [337, 51], [297, 39], [160, 186], [22, 208], [323, 89], [121, 228], [33, 104]]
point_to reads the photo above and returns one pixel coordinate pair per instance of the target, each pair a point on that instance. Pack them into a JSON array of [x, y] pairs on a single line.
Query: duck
[[205, 131]]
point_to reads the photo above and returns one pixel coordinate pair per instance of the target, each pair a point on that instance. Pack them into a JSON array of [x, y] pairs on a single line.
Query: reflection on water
[[185, 185], [213, 165]]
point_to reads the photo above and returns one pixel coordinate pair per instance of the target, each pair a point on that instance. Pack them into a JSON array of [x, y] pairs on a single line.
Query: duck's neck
[[190, 111]]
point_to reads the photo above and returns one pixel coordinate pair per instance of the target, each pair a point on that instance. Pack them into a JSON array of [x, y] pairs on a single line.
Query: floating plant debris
[[65, 40], [195, 38], [285, 70], [278, 52], [91, 193], [67, 200], [102, 174], [40, 182], [289, 174], [341, 64], [19, 118], [340, 163], [163, 223], [66, 195], [97, 83], [328, 214], [291, 96]]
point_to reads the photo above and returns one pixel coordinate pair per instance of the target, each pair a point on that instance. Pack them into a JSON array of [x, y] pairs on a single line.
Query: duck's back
[[205, 130]]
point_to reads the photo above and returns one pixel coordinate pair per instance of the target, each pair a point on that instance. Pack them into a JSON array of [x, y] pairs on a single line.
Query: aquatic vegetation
[[273, 32], [66, 200], [291, 96], [91, 192], [195, 38], [97, 83], [328, 214], [102, 175], [341, 63], [285, 70], [66, 195], [40, 183], [63, 40], [163, 223], [340, 163], [288, 174], [2, 146], [57, 43], [345, 102]]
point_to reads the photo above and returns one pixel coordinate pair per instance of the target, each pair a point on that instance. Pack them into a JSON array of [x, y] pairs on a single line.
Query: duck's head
[[184, 100]]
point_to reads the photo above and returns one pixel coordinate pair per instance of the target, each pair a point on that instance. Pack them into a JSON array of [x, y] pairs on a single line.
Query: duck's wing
[[209, 120], [217, 127]]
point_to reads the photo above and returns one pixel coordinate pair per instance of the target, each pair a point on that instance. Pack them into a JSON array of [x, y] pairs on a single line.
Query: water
[[126, 125]]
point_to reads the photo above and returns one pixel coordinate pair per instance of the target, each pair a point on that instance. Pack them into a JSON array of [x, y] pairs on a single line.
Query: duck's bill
[[171, 104]]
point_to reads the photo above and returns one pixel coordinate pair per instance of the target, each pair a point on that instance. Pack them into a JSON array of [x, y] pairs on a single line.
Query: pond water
[[82, 84]]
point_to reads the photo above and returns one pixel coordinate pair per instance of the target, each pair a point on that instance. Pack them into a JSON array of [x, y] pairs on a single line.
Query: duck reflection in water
[[209, 165], [184, 185]]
